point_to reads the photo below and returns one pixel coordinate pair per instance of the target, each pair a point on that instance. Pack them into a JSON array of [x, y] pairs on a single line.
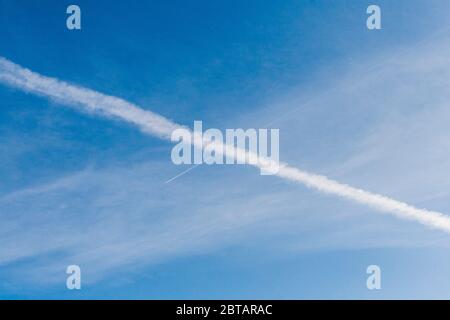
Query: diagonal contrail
[[156, 125]]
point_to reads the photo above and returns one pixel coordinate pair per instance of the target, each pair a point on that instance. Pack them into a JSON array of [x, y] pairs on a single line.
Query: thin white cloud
[[96, 222], [154, 124], [88, 100]]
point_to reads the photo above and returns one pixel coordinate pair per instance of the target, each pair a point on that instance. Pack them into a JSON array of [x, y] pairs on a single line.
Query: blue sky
[[367, 108]]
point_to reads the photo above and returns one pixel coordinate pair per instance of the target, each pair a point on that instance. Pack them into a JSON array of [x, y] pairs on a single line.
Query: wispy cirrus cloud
[[127, 217], [149, 122], [114, 217]]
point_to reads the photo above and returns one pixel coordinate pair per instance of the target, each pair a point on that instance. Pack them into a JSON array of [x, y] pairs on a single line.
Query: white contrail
[[88, 100], [154, 124]]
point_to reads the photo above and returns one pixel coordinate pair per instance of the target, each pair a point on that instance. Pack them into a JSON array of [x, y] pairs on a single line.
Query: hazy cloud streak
[[154, 124]]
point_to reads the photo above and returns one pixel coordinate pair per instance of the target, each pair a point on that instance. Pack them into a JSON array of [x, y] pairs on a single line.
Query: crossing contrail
[[151, 123]]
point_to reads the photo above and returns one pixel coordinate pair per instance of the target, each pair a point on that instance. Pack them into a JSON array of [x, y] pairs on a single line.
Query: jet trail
[[156, 125]]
